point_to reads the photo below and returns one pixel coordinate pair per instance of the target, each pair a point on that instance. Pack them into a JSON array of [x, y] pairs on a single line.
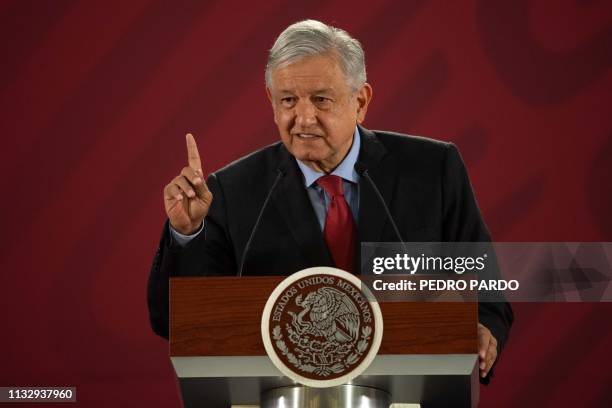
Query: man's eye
[[288, 101], [322, 102]]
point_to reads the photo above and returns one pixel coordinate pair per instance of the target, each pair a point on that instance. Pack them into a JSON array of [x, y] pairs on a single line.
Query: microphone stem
[[258, 221], [382, 200]]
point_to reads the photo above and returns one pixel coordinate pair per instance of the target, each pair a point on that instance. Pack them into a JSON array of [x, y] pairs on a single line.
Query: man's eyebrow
[[315, 92], [324, 91]]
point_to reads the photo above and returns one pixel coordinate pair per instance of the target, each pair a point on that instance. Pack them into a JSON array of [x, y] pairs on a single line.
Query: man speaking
[[312, 198]]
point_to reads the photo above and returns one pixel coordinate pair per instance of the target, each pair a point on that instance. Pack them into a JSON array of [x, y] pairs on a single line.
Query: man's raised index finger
[[193, 156]]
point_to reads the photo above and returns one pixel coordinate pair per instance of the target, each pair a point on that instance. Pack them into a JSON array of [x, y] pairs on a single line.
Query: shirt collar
[[346, 169]]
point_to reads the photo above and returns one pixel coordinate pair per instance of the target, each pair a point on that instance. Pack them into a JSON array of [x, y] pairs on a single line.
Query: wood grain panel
[[222, 317]]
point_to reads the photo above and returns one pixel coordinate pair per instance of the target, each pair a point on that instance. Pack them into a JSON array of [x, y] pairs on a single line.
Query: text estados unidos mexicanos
[[360, 301], [414, 264]]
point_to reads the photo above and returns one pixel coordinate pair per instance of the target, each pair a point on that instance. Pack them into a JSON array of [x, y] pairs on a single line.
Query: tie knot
[[332, 185]]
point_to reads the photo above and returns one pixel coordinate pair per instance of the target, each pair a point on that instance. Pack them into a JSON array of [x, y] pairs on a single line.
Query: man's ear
[[269, 95], [364, 96]]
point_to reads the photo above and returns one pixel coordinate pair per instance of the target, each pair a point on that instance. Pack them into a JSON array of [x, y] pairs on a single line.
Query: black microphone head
[[360, 168]]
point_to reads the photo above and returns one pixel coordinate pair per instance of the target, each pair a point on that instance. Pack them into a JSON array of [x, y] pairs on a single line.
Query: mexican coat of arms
[[320, 328]]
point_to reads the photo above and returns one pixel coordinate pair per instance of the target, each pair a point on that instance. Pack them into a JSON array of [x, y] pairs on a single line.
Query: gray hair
[[310, 38]]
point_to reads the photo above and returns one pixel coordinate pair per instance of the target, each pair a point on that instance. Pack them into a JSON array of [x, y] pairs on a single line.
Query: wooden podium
[[428, 353]]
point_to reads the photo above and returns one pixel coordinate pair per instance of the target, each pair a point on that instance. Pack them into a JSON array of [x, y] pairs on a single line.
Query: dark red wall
[[95, 101]]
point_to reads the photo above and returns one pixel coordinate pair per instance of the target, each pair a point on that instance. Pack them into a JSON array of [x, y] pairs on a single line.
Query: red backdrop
[[96, 99]]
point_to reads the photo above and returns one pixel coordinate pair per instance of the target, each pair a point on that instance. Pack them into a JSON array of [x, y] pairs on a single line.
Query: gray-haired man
[[307, 189]]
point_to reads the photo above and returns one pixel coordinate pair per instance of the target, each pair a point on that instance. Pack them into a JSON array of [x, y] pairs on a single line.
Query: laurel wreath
[[339, 367]]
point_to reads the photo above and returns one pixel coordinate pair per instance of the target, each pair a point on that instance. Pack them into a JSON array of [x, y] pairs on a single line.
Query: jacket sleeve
[[208, 254], [462, 222]]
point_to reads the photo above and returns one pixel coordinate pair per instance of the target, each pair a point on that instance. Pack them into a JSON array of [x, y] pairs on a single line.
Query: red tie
[[339, 229]]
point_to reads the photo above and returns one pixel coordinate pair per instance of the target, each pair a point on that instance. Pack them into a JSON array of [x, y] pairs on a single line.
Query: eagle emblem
[[321, 327], [331, 315]]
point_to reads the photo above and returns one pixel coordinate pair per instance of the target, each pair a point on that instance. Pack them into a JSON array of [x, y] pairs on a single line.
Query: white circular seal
[[321, 327]]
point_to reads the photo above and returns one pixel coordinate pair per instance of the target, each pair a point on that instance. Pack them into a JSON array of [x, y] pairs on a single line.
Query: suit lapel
[[372, 214], [293, 203]]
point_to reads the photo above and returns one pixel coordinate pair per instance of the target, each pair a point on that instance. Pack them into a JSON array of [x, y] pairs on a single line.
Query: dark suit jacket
[[423, 181]]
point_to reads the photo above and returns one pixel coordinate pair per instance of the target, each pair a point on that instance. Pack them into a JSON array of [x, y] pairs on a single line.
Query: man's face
[[316, 111]]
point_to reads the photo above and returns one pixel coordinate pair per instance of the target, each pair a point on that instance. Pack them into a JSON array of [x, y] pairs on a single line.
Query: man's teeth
[[306, 136]]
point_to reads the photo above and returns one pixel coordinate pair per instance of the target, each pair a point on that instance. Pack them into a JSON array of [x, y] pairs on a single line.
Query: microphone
[[258, 221], [363, 171]]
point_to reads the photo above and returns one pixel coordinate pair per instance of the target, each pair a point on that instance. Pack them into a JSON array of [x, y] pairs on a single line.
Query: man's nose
[[305, 114]]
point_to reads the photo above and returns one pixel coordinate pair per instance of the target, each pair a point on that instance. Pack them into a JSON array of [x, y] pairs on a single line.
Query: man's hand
[[487, 350], [187, 198]]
